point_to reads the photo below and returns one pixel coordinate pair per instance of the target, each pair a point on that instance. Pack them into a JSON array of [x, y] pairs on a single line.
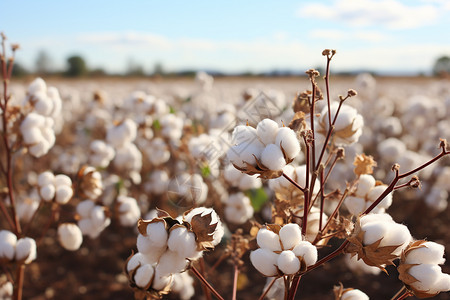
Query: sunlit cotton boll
[[428, 253], [290, 235], [93, 218], [8, 241], [265, 261], [354, 295], [430, 278], [37, 134], [157, 151], [288, 263], [70, 236], [238, 209], [243, 134], [437, 199], [267, 131], [183, 242], [183, 284], [6, 290], [272, 157], [129, 212], [158, 183], [26, 250], [241, 180], [391, 149], [245, 153], [143, 276], [122, 133], [26, 206], [287, 139], [172, 127], [359, 266], [101, 154]]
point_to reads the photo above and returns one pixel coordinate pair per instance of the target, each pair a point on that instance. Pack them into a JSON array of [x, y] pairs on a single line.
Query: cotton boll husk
[[144, 275], [288, 263], [84, 208], [428, 253], [306, 250], [26, 249], [47, 192], [355, 205], [264, 261], [365, 184], [183, 242], [45, 178], [375, 231], [157, 233], [243, 134], [268, 239], [397, 234], [171, 263], [267, 131], [290, 235], [428, 276], [63, 194], [70, 236], [287, 139], [272, 157], [354, 295]]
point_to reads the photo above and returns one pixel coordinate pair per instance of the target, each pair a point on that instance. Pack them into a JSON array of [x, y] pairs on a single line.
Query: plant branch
[[268, 288], [206, 283], [235, 279]]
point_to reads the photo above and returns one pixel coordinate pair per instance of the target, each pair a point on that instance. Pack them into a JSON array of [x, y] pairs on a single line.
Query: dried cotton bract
[[282, 251]]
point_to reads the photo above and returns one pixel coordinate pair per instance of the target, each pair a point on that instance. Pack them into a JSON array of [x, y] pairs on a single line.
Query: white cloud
[[341, 35], [362, 13], [128, 38]]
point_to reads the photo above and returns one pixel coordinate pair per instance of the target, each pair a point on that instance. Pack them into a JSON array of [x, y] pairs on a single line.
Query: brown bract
[[364, 164], [203, 230]]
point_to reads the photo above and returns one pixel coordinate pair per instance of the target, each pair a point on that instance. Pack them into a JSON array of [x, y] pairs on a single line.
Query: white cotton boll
[[428, 253], [219, 232], [6, 290], [63, 194], [306, 250], [47, 192], [32, 136], [355, 205], [359, 266], [437, 199], [264, 261], [243, 134], [248, 182], [39, 149], [37, 85], [45, 178], [32, 120], [267, 131], [397, 234], [442, 284], [161, 282], [129, 211], [183, 285], [287, 139], [159, 181], [86, 226], [171, 263], [147, 248], [427, 276], [273, 158], [84, 208], [250, 151], [137, 260], [268, 239], [62, 179], [70, 236], [374, 231], [26, 250], [98, 216], [354, 295], [288, 263], [8, 242], [43, 104], [183, 242], [157, 233], [238, 208], [376, 192], [391, 149], [392, 126], [282, 183], [370, 218], [290, 235], [365, 184], [144, 275]]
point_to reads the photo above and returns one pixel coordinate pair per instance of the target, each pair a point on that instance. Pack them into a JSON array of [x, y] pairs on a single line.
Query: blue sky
[[381, 35]]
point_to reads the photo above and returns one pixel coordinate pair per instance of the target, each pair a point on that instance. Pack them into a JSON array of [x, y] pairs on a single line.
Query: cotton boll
[[287, 139], [247, 182], [437, 199], [429, 253], [70, 236], [306, 250], [374, 232], [267, 131], [129, 211], [159, 181], [8, 242], [122, 133], [171, 263], [147, 248], [183, 242], [26, 250], [63, 194], [365, 184], [427, 276], [268, 239], [84, 208], [250, 151], [243, 134], [359, 266], [218, 232], [288, 263], [354, 295], [290, 235], [238, 208], [183, 285], [160, 282], [47, 192], [398, 234], [355, 205], [32, 136], [376, 192], [391, 149], [45, 178], [272, 157], [144, 275], [37, 85], [138, 259], [157, 233], [264, 261], [370, 218], [280, 183]]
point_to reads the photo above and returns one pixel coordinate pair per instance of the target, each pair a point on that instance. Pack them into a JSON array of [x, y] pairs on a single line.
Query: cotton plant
[[101, 154], [349, 294], [92, 218], [12, 249], [264, 150], [157, 183], [55, 188], [90, 182]]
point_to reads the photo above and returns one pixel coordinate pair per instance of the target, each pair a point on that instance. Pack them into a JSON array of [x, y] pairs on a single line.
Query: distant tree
[[43, 64], [19, 70], [98, 72], [442, 66], [134, 69], [158, 69], [76, 67]]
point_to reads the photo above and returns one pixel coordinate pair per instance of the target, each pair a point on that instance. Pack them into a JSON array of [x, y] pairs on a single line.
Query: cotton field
[[313, 187]]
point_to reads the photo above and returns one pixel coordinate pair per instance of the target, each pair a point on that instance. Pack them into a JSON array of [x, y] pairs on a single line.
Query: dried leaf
[[298, 122], [204, 230], [364, 164]]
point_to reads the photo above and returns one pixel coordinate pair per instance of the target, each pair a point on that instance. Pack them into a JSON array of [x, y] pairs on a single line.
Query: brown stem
[[294, 287], [206, 283], [322, 200], [293, 182], [55, 209], [329, 256], [398, 293], [19, 282], [405, 295], [235, 279], [306, 194], [268, 288]]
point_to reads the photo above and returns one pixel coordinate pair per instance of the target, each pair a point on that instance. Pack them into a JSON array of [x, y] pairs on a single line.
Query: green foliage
[[442, 66], [258, 198], [76, 67]]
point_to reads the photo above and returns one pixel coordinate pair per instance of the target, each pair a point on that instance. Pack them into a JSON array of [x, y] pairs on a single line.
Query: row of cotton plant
[[279, 184]]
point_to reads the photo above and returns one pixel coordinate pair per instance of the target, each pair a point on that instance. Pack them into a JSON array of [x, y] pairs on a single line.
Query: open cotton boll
[[376, 192], [370, 218], [62, 179], [375, 231], [26, 250], [391, 149], [45, 178], [147, 248], [183, 242], [123, 133], [355, 205], [268, 239], [290, 235], [32, 136], [157, 233], [287, 139], [243, 134], [144, 275], [47, 192], [37, 85], [267, 130], [279, 183], [354, 295], [437, 199], [218, 232], [359, 266], [238, 208], [288, 263], [306, 250], [365, 184], [160, 281], [429, 253], [129, 211], [170, 263], [63, 194], [183, 285], [265, 261], [84, 208], [138, 259], [430, 278], [8, 242], [272, 157], [70, 236], [397, 234]]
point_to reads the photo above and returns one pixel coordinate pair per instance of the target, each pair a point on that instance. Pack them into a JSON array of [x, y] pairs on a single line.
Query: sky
[[231, 36]]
